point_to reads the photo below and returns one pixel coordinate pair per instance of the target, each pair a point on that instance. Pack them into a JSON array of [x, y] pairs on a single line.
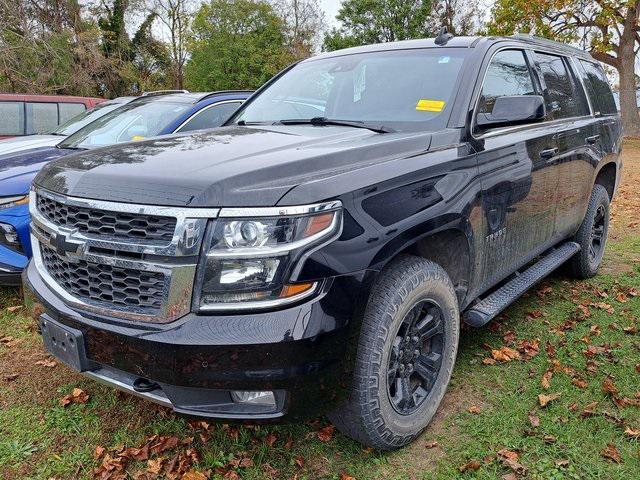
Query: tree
[[303, 25], [175, 17], [609, 28], [459, 16], [235, 44], [376, 21]]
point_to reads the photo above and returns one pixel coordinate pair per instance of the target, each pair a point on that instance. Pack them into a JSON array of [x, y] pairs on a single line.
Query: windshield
[[74, 124], [134, 121], [400, 89]]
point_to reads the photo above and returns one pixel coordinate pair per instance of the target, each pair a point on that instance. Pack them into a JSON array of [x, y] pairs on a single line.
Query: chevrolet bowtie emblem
[[63, 246]]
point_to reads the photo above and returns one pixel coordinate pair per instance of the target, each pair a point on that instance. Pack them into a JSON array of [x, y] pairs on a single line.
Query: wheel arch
[[607, 177]]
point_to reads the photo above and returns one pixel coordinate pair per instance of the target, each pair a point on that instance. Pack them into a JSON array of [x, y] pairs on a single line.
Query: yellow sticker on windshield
[[137, 138], [430, 105]]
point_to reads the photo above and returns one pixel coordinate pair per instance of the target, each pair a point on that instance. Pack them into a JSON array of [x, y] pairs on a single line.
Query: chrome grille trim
[[177, 260]]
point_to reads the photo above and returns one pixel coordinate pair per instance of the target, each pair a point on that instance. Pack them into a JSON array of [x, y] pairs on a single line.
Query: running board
[[492, 305]]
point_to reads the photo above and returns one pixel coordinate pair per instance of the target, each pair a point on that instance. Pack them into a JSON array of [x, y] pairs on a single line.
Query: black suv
[[317, 254]]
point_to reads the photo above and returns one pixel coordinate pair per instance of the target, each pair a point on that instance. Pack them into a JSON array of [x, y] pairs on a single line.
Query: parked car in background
[[317, 254], [146, 116], [35, 114], [52, 138]]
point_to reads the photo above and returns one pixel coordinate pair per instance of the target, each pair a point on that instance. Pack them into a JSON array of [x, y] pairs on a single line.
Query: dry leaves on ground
[[76, 396], [611, 453], [545, 399]]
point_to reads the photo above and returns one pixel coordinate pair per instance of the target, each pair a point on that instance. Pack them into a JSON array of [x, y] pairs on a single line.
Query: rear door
[[517, 168], [568, 112]]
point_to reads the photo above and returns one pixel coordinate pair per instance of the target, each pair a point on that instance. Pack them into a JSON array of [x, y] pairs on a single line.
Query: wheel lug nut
[[407, 339], [415, 339], [416, 353]]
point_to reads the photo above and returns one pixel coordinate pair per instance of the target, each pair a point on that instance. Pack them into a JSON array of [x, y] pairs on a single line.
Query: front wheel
[[592, 236], [406, 353]]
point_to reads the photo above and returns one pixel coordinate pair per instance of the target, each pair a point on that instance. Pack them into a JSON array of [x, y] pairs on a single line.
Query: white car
[[28, 142]]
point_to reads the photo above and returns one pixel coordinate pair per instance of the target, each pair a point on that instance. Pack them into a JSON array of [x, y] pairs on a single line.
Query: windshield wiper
[[322, 121]]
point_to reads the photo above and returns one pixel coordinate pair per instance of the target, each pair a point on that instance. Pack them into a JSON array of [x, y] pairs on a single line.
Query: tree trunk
[[626, 70], [628, 101]]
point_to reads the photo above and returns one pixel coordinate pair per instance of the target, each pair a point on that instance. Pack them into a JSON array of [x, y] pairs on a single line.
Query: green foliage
[[235, 44], [375, 21]]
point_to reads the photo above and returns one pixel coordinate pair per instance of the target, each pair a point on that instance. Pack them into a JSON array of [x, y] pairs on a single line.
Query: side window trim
[[527, 54], [177, 130], [576, 71], [577, 80]]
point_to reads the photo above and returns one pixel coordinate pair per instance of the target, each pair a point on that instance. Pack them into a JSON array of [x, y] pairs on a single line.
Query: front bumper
[[303, 353]]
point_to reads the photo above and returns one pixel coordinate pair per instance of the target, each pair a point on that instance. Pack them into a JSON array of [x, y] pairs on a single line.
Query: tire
[[406, 301], [586, 262]]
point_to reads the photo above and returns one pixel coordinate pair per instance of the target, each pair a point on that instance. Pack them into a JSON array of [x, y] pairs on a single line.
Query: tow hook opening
[[142, 385]]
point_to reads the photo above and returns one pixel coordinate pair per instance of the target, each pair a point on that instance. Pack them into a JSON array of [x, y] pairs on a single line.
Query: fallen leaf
[[345, 476], [10, 377], [609, 387], [98, 452], [14, 308], [488, 361], [562, 463], [632, 330], [270, 439], [472, 466], [76, 396], [47, 362], [579, 382], [611, 453], [545, 399], [194, 475], [505, 354], [622, 298], [326, 434], [431, 444], [632, 432], [510, 458], [589, 410], [474, 409], [534, 420], [299, 461], [546, 379], [155, 465]]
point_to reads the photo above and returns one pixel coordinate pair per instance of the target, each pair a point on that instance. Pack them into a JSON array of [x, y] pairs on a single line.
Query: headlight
[[252, 253], [8, 202]]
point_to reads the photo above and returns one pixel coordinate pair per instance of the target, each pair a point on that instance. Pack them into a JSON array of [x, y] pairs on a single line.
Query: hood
[[229, 166], [17, 144], [17, 170]]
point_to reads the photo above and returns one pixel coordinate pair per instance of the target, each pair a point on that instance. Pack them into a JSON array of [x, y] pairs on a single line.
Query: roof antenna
[[443, 37]]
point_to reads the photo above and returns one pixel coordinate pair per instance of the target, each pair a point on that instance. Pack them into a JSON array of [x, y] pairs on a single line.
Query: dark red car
[[30, 114]]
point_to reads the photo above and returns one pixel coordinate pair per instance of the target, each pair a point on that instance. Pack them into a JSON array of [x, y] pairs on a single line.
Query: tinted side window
[[598, 88], [70, 110], [11, 118], [507, 74], [211, 117], [41, 117], [565, 98]]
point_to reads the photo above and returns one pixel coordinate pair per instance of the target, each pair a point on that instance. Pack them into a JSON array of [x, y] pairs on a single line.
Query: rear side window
[[565, 98], [211, 117], [598, 88], [41, 117], [11, 118], [70, 110], [508, 74]]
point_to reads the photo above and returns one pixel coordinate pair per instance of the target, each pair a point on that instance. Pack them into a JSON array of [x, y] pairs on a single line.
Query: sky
[[330, 8]]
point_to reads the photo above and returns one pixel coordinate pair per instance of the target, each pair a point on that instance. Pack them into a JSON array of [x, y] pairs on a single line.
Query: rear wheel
[[592, 236], [406, 353]]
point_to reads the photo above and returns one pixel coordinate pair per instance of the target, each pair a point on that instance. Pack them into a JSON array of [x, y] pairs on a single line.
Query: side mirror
[[513, 110]]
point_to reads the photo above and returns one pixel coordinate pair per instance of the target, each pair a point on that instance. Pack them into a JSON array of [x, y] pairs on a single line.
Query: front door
[[518, 173]]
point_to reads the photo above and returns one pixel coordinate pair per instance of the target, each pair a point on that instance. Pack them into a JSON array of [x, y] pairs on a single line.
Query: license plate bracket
[[64, 343]]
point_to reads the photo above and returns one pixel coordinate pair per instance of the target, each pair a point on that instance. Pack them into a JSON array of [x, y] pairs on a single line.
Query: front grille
[[119, 225], [105, 284]]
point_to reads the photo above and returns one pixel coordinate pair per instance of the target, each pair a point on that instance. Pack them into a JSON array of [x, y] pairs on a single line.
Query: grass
[[40, 439]]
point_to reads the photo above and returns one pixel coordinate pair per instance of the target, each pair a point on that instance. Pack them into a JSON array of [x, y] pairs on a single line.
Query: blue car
[[144, 117]]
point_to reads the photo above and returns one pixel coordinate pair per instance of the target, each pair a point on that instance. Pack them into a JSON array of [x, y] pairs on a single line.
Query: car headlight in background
[[8, 202], [9, 237], [251, 255]]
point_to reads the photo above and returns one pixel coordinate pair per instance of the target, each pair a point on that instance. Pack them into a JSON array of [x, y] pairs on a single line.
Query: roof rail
[[162, 92], [222, 92], [527, 37]]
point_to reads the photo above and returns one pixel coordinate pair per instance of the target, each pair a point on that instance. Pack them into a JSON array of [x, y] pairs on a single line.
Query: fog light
[[254, 398], [9, 237]]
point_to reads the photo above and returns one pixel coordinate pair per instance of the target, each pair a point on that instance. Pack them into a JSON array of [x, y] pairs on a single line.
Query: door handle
[[592, 139], [549, 152]]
